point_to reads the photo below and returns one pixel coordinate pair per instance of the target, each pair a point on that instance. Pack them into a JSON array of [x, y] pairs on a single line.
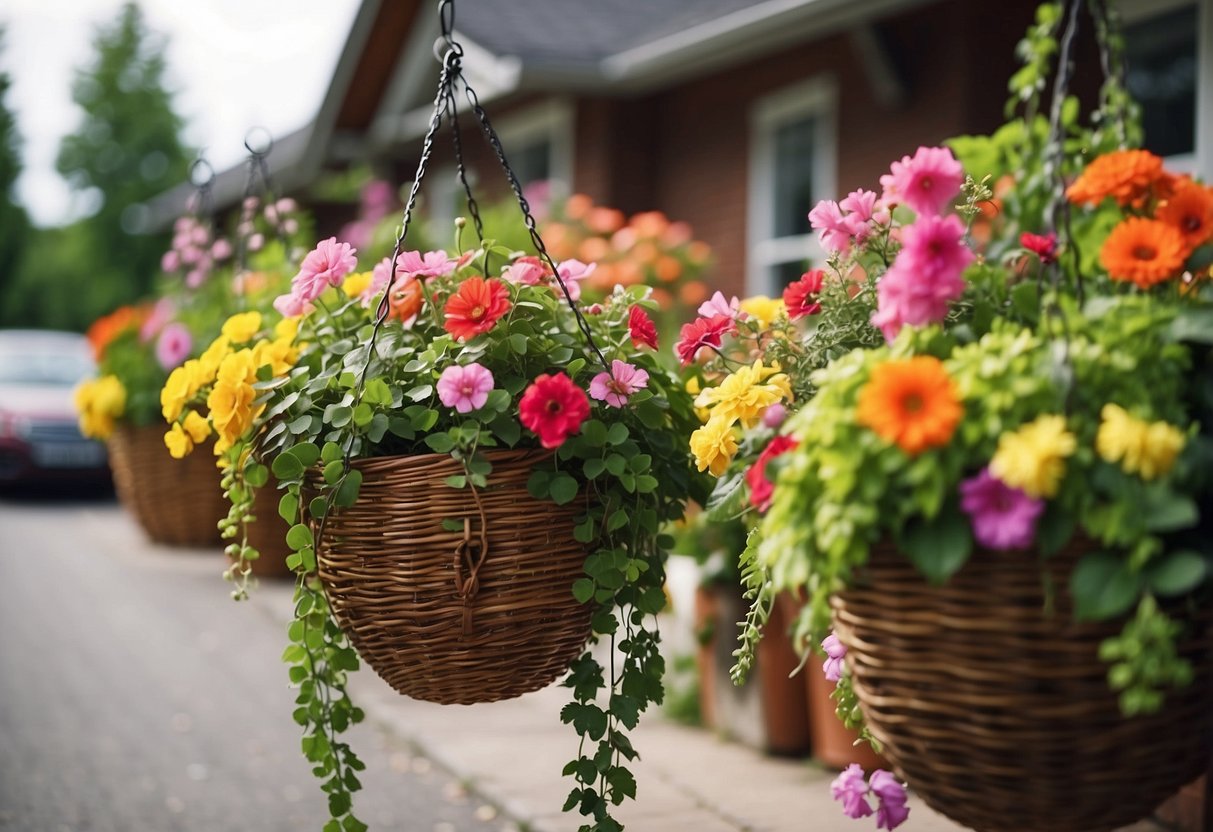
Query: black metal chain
[[1112, 61], [472, 205], [202, 177]]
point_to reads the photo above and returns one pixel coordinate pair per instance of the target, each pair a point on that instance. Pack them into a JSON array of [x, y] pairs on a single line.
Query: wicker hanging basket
[[178, 502], [456, 617], [999, 714]]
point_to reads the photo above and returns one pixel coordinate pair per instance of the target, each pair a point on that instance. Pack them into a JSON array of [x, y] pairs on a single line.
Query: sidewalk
[[511, 754]]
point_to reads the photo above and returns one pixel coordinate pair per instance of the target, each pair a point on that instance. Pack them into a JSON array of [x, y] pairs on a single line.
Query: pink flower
[[170, 261], [902, 299], [380, 275], [572, 272], [527, 271], [864, 206], [719, 305], [465, 388], [700, 334], [890, 795], [1003, 517], [289, 305], [161, 314], [761, 488], [430, 264], [622, 381], [851, 788], [836, 230], [323, 267], [1043, 246], [173, 346], [926, 183], [926, 276], [221, 250], [836, 651], [774, 415]]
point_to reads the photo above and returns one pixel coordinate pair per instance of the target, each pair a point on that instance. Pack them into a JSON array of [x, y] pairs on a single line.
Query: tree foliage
[[14, 224]]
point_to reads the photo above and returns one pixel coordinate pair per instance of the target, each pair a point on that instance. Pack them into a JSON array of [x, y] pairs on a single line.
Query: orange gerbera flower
[[1143, 251], [476, 307], [1124, 175], [912, 402], [108, 327], [1189, 209]]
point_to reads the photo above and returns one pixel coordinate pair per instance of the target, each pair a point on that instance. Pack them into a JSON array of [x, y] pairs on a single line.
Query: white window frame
[[552, 121], [1199, 163], [817, 98]]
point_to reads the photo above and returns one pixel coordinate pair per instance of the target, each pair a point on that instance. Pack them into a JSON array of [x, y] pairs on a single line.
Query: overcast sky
[[233, 64]]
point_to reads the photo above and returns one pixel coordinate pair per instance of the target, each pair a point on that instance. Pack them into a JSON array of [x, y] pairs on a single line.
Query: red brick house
[[733, 115]]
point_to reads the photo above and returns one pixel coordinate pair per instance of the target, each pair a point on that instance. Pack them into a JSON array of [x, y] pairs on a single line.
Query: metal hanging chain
[[1112, 61], [473, 206], [202, 177]]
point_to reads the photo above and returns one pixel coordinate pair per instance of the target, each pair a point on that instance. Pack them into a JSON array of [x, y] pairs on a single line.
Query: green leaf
[[440, 443], [339, 416], [1055, 529], [306, 453], [288, 507], [333, 471], [331, 451], [617, 434], [583, 590], [256, 475], [300, 424], [287, 467], [1177, 573], [377, 392], [363, 414], [1193, 324], [518, 343], [593, 468], [421, 391], [618, 520], [537, 485], [498, 400], [1103, 586], [563, 489], [1166, 511], [940, 546], [299, 536], [456, 481], [626, 709], [595, 433], [347, 492]]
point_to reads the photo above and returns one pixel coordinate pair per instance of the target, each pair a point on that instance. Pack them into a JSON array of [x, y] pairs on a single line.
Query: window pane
[[1161, 53], [787, 273], [793, 176], [532, 162]]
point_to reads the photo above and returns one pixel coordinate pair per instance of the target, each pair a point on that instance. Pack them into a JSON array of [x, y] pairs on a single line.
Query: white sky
[[233, 64]]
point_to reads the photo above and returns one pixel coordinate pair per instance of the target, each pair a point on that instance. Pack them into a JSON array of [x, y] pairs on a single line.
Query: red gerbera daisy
[[476, 307], [641, 326], [761, 488], [1043, 246], [801, 297], [554, 408], [700, 334]]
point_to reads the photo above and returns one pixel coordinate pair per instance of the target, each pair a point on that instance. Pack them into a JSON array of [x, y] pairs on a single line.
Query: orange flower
[[108, 327], [578, 206], [1189, 209], [405, 300], [693, 292], [1143, 251], [476, 307], [1124, 175], [911, 402], [668, 268], [605, 220]]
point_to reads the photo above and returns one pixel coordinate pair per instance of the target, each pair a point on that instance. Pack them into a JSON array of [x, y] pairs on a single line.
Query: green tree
[[126, 149], [14, 224]]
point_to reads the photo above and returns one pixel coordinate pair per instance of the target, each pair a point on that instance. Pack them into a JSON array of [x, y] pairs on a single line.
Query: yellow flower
[[178, 389], [196, 427], [237, 367], [1032, 458], [208, 362], [279, 354], [1145, 448], [242, 327], [714, 446], [99, 402], [231, 408], [178, 442], [287, 328], [763, 309], [356, 284], [743, 395], [693, 387]]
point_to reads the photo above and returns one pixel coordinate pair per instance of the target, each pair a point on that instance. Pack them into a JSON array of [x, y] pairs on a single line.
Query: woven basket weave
[[177, 501], [999, 715], [407, 592]]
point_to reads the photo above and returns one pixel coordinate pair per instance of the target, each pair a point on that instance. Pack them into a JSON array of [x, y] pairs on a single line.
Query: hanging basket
[[999, 714], [178, 502], [435, 615]]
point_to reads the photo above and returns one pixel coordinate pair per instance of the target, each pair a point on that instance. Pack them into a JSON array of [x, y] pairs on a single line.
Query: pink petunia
[[526, 271], [851, 789], [836, 651], [700, 334], [324, 266], [926, 183], [622, 381], [572, 272], [718, 304], [430, 264], [465, 387], [162, 312], [774, 415], [926, 276], [173, 346], [890, 794], [836, 230], [1003, 517], [170, 261]]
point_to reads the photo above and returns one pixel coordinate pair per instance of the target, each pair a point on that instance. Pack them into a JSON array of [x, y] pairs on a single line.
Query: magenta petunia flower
[[836, 651], [1002, 517], [836, 230], [890, 794], [926, 277], [851, 789], [465, 388], [173, 346], [622, 381], [926, 183]]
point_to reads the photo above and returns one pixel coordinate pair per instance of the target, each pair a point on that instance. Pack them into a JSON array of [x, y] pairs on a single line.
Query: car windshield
[[55, 364]]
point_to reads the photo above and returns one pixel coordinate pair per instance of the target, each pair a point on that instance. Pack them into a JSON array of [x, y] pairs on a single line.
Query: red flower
[[642, 328], [1043, 245], [761, 488], [801, 297], [702, 333], [554, 408], [476, 307]]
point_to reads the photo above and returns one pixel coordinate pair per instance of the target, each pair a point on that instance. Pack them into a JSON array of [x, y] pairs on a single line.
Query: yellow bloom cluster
[[1145, 448], [229, 373], [1032, 458], [356, 284], [741, 398], [99, 402], [763, 309]]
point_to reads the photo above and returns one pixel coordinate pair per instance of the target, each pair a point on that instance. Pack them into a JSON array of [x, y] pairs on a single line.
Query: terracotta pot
[[833, 743], [706, 615], [268, 534], [785, 713], [1188, 810]]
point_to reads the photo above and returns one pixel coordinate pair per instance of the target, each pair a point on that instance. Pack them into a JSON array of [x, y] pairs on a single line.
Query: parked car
[[39, 436]]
